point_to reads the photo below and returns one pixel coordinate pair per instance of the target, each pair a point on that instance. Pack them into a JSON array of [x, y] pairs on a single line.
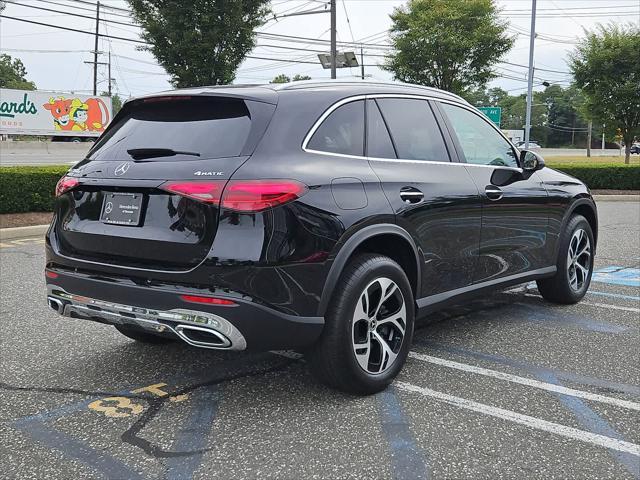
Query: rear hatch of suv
[[147, 194]]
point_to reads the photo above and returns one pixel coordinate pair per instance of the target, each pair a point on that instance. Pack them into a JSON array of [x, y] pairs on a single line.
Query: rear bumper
[[160, 310]]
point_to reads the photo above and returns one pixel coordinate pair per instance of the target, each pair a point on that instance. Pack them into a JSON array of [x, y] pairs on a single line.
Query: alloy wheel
[[379, 325], [578, 260]]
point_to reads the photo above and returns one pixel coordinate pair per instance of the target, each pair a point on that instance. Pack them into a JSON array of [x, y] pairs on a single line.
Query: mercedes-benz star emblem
[[108, 208], [122, 169]]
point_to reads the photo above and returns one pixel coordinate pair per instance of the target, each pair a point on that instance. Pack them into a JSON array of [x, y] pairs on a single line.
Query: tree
[[447, 44], [116, 102], [13, 74], [606, 68], [282, 78], [200, 42]]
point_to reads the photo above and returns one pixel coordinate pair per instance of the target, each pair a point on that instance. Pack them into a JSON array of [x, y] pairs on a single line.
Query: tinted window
[[342, 131], [212, 127], [414, 130], [378, 140], [480, 142]]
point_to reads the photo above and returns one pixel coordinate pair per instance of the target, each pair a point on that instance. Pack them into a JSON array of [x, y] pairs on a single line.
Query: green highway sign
[[493, 113]]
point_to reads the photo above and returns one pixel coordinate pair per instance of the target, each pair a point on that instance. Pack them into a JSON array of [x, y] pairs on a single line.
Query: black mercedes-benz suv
[[322, 217]]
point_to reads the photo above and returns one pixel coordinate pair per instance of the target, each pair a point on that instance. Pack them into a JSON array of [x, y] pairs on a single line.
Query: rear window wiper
[[142, 153]]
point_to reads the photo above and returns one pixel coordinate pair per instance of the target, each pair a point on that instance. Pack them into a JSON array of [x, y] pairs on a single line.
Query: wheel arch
[[587, 208], [375, 239]]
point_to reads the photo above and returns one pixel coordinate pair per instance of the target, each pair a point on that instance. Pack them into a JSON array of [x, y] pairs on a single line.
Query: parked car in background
[[533, 145], [635, 148], [323, 217]]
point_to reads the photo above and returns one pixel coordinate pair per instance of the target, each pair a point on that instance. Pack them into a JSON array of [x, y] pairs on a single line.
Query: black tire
[[333, 358], [558, 289], [142, 336]]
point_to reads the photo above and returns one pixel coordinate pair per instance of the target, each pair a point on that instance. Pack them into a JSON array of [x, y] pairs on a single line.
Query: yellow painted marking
[[155, 389], [122, 403], [179, 398]]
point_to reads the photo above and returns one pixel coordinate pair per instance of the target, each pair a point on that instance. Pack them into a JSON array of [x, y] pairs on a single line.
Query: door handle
[[411, 195], [493, 192]]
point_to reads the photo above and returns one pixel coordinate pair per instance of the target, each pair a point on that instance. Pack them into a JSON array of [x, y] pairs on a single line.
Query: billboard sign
[[36, 112]]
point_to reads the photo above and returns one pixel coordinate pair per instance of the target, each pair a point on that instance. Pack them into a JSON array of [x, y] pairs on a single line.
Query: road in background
[[507, 386], [58, 153]]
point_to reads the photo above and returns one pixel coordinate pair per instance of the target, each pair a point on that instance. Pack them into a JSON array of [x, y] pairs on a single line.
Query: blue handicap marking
[[629, 277]]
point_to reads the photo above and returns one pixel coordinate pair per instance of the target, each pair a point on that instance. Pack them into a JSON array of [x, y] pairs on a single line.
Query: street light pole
[[333, 39], [95, 51], [532, 38]]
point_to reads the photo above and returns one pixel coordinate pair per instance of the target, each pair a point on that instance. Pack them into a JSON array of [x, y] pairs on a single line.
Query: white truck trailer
[[59, 115]]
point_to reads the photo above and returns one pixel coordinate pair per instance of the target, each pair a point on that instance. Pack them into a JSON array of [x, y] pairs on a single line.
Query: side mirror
[[531, 161]]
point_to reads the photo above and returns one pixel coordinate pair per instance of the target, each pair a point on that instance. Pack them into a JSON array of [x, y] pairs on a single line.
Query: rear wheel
[[575, 264], [368, 329], [142, 336]]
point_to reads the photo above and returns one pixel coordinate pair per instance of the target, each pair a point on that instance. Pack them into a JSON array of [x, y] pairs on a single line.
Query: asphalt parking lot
[[503, 387]]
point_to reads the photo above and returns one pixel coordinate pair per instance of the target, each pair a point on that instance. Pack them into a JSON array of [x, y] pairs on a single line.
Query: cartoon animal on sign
[[78, 116], [60, 110]]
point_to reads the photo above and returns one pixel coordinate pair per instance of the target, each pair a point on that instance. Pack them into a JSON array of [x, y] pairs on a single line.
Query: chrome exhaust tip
[[56, 304], [202, 337]]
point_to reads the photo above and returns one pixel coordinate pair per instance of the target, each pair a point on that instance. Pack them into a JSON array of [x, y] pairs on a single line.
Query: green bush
[[29, 189], [604, 176]]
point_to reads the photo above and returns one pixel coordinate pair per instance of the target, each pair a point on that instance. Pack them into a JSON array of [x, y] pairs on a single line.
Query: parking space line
[[78, 450], [407, 460], [526, 420], [591, 304], [614, 295], [194, 434], [595, 424], [617, 275], [525, 381], [612, 307], [529, 367]]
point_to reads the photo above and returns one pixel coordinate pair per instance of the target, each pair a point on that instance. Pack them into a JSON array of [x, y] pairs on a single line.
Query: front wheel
[[368, 329], [574, 264]]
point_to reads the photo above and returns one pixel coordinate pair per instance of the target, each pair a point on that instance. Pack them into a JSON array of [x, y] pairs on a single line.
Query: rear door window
[[414, 130], [342, 131], [210, 127]]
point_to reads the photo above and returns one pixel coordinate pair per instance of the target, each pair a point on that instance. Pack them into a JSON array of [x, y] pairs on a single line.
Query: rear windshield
[[209, 127]]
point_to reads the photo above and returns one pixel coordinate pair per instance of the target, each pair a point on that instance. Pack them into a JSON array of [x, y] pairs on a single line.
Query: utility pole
[[362, 62], [333, 39], [109, 73], [589, 138], [95, 51], [603, 125], [532, 39]]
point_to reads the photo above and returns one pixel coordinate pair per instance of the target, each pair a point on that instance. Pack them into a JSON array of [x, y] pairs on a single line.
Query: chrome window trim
[[355, 98]]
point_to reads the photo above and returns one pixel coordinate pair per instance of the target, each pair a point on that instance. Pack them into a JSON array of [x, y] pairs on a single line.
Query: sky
[[55, 59]]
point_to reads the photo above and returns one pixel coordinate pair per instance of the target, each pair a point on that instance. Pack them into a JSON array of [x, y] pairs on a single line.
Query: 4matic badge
[[208, 174]]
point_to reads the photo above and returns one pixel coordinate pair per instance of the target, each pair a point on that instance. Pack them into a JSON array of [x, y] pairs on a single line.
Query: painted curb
[[616, 198], [22, 232]]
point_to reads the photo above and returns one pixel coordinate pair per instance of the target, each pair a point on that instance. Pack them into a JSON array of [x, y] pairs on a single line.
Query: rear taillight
[[258, 195], [240, 195], [207, 192], [65, 184]]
